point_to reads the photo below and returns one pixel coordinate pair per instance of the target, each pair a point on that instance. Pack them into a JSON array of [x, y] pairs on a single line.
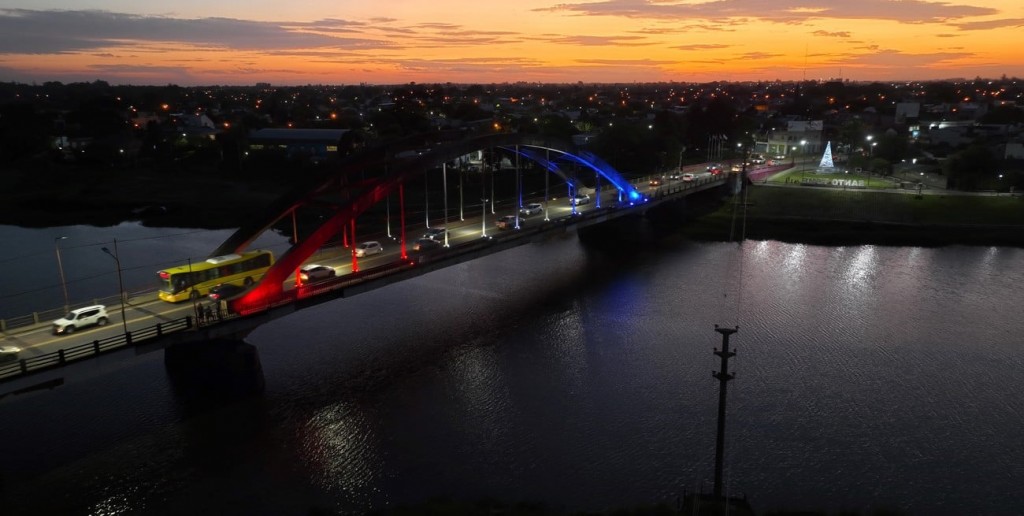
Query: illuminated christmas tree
[[826, 159]]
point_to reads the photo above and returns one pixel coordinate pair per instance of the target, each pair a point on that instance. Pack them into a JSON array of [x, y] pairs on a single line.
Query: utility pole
[[723, 378]]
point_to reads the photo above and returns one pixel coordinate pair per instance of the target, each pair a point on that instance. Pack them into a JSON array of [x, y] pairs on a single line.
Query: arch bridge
[[374, 176], [354, 191]]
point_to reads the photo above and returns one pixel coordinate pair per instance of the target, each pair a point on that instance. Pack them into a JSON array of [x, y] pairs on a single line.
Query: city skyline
[[319, 42]]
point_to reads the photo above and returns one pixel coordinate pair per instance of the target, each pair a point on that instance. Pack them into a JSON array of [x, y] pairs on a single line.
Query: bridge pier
[[214, 368]]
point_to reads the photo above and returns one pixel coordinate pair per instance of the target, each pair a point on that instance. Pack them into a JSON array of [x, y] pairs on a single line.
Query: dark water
[[867, 378]]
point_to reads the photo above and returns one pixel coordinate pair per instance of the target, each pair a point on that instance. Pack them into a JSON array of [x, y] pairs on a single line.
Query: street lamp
[[483, 218], [60, 267], [120, 286]]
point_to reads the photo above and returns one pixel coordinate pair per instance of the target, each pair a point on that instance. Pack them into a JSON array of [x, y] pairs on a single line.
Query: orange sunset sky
[[235, 42]]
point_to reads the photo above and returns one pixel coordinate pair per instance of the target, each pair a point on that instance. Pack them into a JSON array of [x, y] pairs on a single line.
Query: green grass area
[[796, 175], [832, 216]]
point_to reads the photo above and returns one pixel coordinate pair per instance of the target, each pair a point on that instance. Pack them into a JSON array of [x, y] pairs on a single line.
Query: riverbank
[[855, 217]]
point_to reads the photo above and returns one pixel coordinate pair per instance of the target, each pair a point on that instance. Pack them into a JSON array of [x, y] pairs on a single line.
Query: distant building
[[312, 144], [907, 112], [800, 137], [1014, 150]]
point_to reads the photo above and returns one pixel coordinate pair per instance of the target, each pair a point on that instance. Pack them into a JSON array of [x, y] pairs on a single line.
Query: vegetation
[[837, 217]]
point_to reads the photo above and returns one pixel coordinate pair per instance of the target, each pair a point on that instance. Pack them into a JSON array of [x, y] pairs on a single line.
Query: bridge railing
[[47, 316], [313, 289], [680, 186], [61, 357]]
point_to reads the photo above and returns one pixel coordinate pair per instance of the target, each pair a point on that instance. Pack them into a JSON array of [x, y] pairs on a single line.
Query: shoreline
[[793, 215], [840, 218]]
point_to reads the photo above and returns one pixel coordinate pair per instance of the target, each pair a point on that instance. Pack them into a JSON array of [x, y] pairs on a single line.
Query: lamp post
[[60, 268], [483, 218], [120, 286]]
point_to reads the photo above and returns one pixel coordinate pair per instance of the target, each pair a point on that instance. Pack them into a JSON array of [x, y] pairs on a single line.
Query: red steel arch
[[399, 170]]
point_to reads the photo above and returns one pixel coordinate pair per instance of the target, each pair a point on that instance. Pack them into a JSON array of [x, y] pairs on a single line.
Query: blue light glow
[[586, 159]]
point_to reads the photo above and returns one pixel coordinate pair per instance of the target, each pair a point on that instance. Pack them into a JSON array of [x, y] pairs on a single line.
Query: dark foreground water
[[867, 378]]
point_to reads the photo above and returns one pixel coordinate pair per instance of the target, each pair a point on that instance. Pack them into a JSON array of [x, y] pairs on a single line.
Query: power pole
[[723, 378]]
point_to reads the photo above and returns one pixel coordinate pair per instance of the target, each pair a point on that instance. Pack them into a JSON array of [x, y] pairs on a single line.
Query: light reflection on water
[[866, 377]]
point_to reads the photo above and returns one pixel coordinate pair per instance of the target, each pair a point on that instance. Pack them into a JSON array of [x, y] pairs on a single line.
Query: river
[[867, 378]]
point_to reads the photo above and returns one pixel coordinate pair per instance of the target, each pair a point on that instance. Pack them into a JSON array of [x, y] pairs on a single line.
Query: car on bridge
[[655, 182], [426, 244], [369, 247], [508, 222], [226, 291], [688, 177], [579, 199], [436, 234], [314, 272], [9, 353], [675, 176], [534, 208], [81, 318]]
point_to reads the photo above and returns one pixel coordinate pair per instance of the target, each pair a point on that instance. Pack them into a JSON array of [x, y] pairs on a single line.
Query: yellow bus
[[195, 280]]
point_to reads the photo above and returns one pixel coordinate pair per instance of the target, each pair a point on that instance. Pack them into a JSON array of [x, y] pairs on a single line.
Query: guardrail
[[62, 357], [46, 316], [530, 228]]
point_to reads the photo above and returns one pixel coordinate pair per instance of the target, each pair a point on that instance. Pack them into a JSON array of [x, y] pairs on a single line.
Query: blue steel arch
[[589, 160], [364, 193]]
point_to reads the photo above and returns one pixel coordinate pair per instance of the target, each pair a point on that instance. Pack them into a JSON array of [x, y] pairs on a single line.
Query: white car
[[81, 318], [533, 208], [313, 272], [368, 248], [579, 199], [689, 177]]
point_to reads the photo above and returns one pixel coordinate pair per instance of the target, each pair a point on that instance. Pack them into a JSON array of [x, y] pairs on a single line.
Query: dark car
[[436, 234], [508, 222], [225, 291], [426, 244]]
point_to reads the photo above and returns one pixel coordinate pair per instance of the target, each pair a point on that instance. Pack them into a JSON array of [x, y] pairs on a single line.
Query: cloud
[[625, 62], [827, 34], [897, 59], [758, 55], [597, 41], [48, 32], [701, 46], [991, 24], [782, 11]]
